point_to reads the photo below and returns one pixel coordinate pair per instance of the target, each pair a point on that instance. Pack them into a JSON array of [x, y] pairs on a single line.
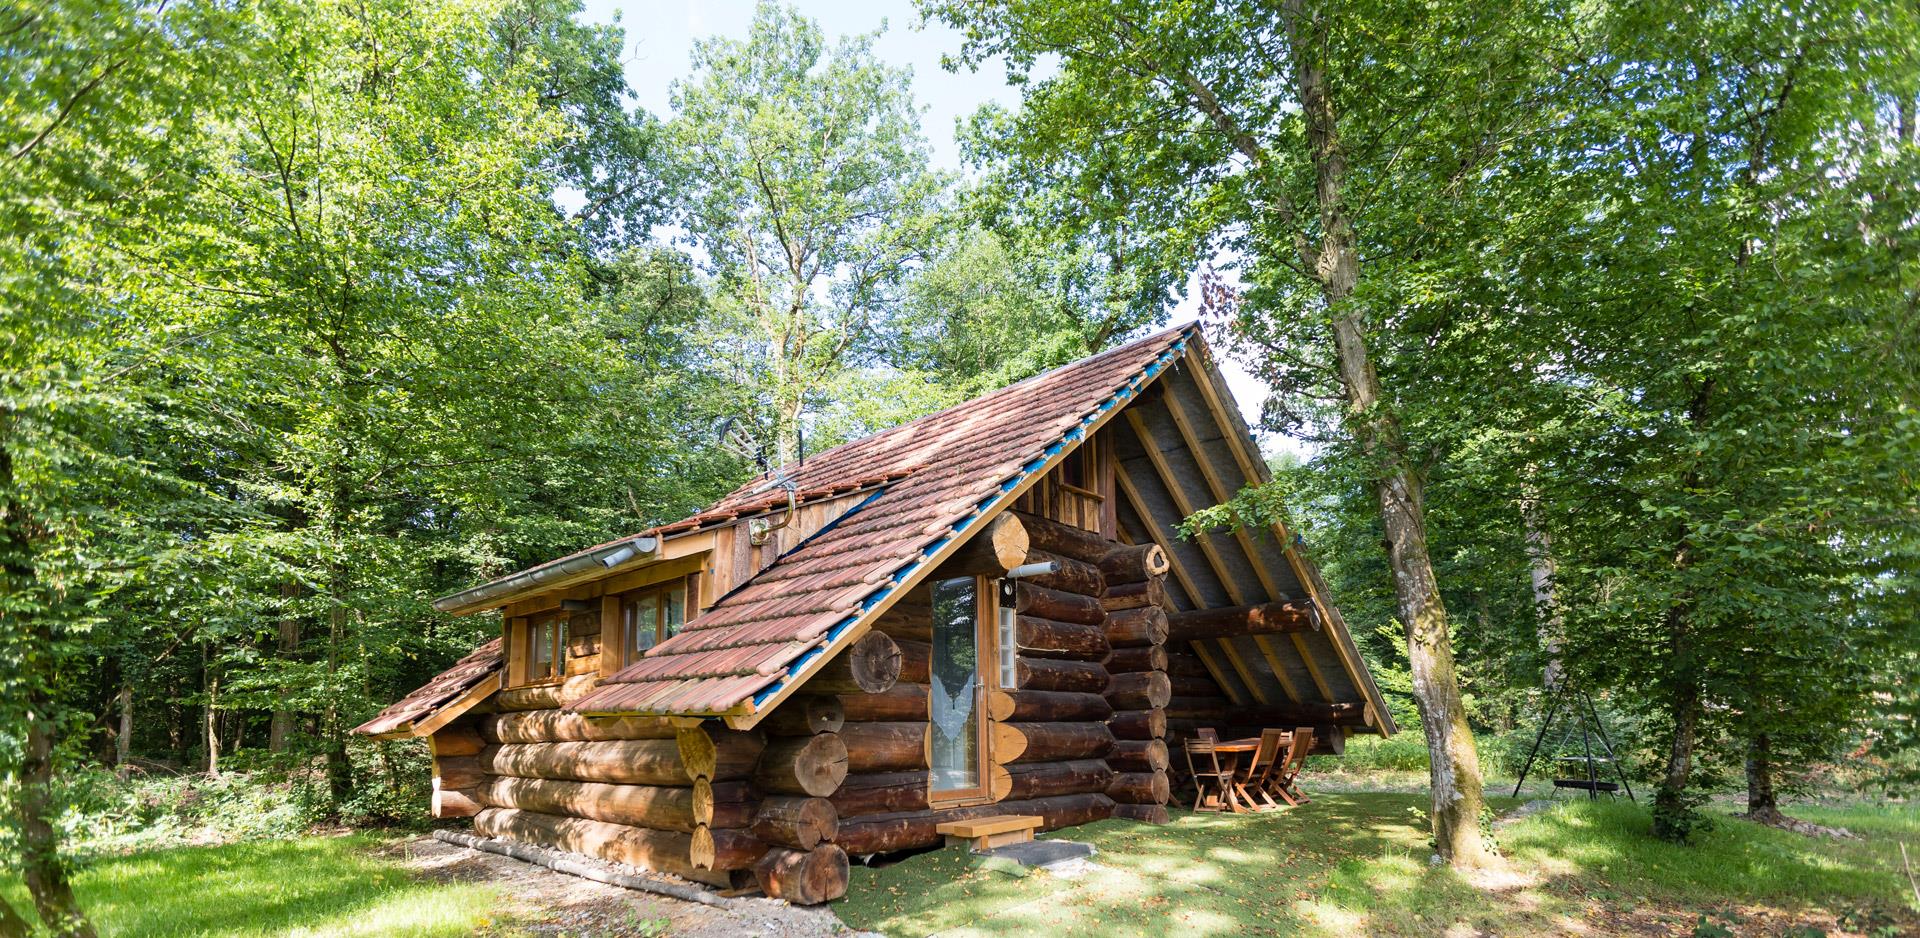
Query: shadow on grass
[[1357, 864], [312, 886]]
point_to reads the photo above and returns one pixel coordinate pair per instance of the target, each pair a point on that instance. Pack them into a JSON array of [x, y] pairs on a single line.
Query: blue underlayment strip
[[907, 572]]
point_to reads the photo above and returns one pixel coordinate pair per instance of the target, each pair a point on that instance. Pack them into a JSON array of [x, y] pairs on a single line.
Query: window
[[1009, 673], [651, 616], [963, 669], [543, 649]]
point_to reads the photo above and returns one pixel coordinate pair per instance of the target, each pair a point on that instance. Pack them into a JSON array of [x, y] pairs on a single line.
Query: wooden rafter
[[1219, 673], [1265, 644], [1125, 484], [1232, 655], [1219, 489], [1313, 667], [1180, 504]]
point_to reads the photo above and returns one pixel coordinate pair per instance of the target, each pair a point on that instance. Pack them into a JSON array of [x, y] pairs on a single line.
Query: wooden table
[[1238, 801]]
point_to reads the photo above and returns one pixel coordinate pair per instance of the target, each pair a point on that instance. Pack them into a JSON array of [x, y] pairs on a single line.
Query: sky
[[660, 39]]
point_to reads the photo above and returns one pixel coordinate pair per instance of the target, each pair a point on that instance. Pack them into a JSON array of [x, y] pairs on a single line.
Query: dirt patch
[[543, 902]]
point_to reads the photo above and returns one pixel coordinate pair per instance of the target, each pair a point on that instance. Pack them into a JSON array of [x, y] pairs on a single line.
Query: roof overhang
[[593, 564]]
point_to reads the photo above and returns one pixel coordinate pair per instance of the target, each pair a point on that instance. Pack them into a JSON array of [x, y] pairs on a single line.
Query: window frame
[[522, 632], [618, 653], [986, 663]]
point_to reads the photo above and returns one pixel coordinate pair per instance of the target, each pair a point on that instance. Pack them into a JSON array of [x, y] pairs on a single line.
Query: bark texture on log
[[1183, 661], [807, 877], [1133, 563], [903, 701], [885, 747], [1069, 576], [1015, 743], [712, 751], [1131, 755], [559, 726], [1004, 544], [805, 715], [799, 823], [1055, 674], [1047, 706], [1139, 690], [546, 696], [459, 739], [448, 803], [1149, 592], [724, 849], [458, 772], [881, 793], [803, 765], [1066, 540], [1145, 658], [1047, 779], [1048, 638], [1230, 621], [1038, 601], [916, 662], [1139, 724], [1146, 625], [723, 804], [665, 851], [869, 666], [627, 761], [1140, 788], [655, 806]]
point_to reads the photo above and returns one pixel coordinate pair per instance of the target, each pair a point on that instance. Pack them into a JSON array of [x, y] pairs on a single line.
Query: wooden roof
[[1180, 445], [441, 699], [956, 468]]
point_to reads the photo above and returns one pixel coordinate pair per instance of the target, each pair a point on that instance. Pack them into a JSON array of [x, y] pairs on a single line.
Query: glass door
[[958, 693]]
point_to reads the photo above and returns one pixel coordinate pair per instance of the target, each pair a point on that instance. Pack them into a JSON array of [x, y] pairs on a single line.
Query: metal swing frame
[[1561, 692]]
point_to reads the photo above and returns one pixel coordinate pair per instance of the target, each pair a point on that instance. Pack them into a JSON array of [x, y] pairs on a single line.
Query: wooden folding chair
[[1205, 772], [1273, 750], [1283, 781]]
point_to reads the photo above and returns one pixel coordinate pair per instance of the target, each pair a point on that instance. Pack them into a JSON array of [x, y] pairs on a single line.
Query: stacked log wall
[[617, 788], [1139, 686]]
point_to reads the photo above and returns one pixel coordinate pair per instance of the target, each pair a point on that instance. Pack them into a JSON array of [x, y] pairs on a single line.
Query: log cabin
[[983, 613]]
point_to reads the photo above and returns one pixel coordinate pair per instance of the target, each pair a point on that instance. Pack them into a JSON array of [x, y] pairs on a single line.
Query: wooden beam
[[1240, 668], [1253, 467], [1267, 651], [1180, 504], [452, 711], [1125, 484], [1219, 674], [1306, 657], [1219, 489]]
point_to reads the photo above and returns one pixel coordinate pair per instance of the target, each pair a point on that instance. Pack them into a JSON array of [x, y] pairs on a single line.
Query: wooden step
[[986, 833]]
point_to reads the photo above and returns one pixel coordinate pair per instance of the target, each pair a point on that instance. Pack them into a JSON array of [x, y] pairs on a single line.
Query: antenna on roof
[[760, 529]]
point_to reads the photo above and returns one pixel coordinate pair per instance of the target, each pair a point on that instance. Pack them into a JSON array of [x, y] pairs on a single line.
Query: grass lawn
[[314, 886], [1355, 863]]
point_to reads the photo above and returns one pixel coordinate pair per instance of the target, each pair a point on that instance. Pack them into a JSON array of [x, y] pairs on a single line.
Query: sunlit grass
[[1357, 864], [317, 887]]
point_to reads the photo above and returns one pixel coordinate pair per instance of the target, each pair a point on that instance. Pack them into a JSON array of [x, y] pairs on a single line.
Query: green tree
[[1250, 130], [808, 197]]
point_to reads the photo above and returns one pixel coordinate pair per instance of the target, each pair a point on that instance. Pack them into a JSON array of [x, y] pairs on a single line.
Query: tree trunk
[[1762, 806], [123, 740], [1457, 797], [1672, 810], [289, 643], [213, 723], [1540, 558], [40, 862]]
